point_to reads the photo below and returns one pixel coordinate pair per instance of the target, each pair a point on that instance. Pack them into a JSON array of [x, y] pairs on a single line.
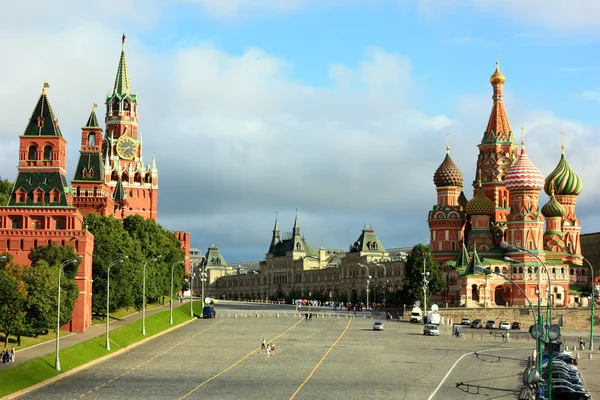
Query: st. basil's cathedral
[[466, 234], [110, 179]]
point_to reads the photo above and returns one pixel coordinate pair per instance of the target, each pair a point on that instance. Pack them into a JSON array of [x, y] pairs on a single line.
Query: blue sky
[[336, 108]]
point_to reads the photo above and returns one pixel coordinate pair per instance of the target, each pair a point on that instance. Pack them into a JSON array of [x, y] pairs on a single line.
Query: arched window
[[32, 154], [497, 269], [91, 139], [571, 271], [114, 176], [48, 152], [125, 177], [504, 270], [125, 105], [148, 178], [115, 105], [520, 270], [514, 270], [137, 178]]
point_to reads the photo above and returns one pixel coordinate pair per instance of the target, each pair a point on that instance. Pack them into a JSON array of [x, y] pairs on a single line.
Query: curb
[[93, 362]]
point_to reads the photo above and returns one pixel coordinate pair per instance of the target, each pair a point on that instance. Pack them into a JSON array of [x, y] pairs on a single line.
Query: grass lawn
[[28, 341], [123, 312], [38, 370]]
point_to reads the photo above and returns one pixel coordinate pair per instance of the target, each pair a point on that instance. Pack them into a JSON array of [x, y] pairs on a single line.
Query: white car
[[504, 325], [377, 325], [431, 330]]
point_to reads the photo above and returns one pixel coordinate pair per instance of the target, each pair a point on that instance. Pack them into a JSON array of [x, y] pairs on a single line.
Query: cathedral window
[[91, 139], [137, 178], [115, 106], [148, 178], [47, 152], [40, 122], [114, 176], [32, 154], [125, 177], [126, 105]]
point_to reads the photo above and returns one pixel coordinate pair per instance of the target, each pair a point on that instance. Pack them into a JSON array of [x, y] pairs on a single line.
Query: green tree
[[413, 275], [5, 189], [13, 296]]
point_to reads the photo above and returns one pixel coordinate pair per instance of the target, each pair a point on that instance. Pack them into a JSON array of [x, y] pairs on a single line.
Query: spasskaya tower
[[111, 177]]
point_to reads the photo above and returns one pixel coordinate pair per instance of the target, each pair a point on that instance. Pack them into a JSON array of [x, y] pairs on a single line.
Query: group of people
[[8, 356], [269, 348], [308, 316]]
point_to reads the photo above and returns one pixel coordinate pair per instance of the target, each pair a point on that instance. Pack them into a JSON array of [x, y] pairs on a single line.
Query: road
[[325, 358]]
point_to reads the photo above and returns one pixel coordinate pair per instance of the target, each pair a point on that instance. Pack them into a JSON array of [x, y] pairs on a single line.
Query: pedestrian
[[273, 348], [268, 350], [2, 356], [507, 337], [263, 345], [503, 337], [306, 317], [310, 316], [13, 354]]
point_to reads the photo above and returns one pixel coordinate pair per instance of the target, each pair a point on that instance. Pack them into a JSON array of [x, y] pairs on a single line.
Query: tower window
[[91, 139], [32, 154], [125, 105], [40, 122], [47, 152]]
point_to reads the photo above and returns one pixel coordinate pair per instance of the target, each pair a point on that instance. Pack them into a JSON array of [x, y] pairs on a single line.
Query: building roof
[[448, 174], [498, 128], [92, 121], [214, 258], [565, 180], [42, 122], [524, 175], [367, 242], [44, 181], [90, 168]]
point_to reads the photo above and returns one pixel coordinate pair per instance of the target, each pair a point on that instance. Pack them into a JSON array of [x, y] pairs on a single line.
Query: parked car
[[516, 326], [465, 321], [491, 324], [504, 325], [377, 325], [477, 324], [431, 330]]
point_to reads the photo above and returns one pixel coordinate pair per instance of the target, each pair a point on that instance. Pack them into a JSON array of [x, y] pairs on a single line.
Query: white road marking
[[461, 357]]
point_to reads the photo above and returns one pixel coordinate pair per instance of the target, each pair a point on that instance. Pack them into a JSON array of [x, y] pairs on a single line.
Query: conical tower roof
[[474, 262], [122, 85], [92, 121], [448, 174], [566, 181], [462, 200], [498, 128], [42, 121], [524, 175]]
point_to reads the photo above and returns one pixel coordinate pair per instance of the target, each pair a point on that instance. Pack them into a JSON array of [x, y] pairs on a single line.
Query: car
[[431, 330], [377, 325], [567, 392], [477, 324], [504, 325], [465, 321], [490, 324], [516, 326]]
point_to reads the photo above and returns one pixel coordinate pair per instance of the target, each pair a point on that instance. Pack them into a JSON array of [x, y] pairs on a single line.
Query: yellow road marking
[[321, 362], [237, 362], [164, 352]]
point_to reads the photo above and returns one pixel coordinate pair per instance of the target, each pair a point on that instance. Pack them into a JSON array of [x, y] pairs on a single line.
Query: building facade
[[292, 268], [466, 234]]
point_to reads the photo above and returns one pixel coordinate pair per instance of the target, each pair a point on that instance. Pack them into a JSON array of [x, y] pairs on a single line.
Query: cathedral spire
[[498, 128], [296, 225], [122, 86]]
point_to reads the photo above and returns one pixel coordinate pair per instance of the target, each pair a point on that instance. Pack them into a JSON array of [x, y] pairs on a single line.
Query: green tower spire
[[122, 85]]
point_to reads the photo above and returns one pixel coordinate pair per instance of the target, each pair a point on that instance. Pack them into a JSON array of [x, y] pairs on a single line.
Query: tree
[[413, 275], [13, 295], [5, 189]]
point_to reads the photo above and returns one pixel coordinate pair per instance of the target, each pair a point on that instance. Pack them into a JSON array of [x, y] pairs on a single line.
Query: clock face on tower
[[126, 147]]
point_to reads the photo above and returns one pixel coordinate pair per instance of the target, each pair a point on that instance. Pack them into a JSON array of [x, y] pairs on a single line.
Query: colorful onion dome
[[448, 173], [523, 175], [480, 204], [497, 77], [462, 200], [553, 208], [566, 182]]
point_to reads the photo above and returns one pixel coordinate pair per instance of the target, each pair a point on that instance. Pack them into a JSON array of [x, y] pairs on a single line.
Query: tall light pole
[[144, 294], [593, 297], [368, 281], [509, 246], [385, 281], [60, 270], [108, 297], [192, 265], [425, 283], [171, 301], [203, 278]]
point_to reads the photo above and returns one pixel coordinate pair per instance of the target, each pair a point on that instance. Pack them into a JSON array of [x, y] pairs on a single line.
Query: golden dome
[[497, 77]]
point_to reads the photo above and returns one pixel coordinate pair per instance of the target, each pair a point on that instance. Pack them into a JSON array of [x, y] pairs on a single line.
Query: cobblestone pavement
[[326, 358]]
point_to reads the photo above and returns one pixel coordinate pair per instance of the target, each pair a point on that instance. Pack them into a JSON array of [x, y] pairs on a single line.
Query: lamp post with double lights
[[108, 298], [144, 293], [508, 246], [192, 265], [593, 297], [60, 270], [171, 301], [203, 278]]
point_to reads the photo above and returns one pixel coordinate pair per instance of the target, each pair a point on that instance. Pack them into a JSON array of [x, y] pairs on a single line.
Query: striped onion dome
[[462, 200], [566, 182], [448, 173], [523, 175], [553, 208]]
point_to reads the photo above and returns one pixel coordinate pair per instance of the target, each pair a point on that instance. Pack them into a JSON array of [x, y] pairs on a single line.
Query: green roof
[[214, 258], [367, 242], [90, 168], [92, 121], [46, 182], [42, 121]]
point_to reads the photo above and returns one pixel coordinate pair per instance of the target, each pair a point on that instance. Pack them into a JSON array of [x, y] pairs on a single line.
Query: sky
[[335, 110]]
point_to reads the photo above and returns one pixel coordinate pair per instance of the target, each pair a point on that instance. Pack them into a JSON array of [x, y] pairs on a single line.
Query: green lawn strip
[[123, 312], [38, 370]]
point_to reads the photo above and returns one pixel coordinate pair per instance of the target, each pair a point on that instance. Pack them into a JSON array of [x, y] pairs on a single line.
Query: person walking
[[13, 354], [263, 345], [268, 350]]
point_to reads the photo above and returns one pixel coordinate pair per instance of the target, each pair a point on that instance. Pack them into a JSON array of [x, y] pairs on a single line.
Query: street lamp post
[[425, 283], [593, 297], [368, 281], [171, 301], [144, 294], [108, 297], [385, 281], [57, 361], [192, 265], [509, 246], [203, 278]]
